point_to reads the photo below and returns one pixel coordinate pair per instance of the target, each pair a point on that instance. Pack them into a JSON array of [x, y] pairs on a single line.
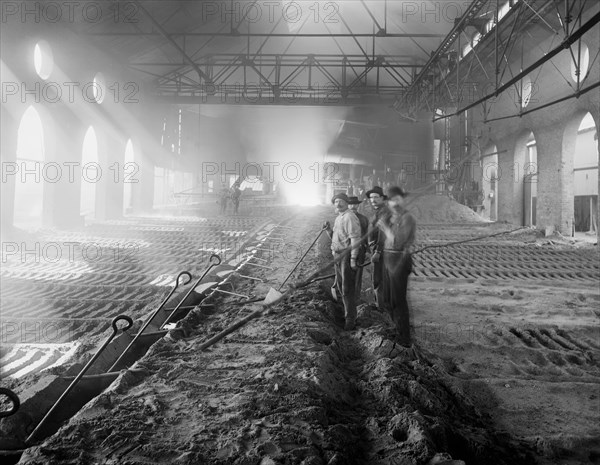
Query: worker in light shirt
[[354, 202], [346, 235]]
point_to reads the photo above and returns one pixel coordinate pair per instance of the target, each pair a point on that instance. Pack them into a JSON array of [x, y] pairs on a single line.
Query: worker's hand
[[326, 226], [353, 264], [375, 257]]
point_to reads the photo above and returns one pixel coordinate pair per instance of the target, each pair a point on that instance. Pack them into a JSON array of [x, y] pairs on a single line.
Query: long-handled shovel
[[274, 297], [323, 229], [275, 294]]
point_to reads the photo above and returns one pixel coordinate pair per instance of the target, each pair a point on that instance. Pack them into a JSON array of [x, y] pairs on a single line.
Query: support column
[[510, 179], [488, 174], [109, 193], [422, 135], [352, 174], [63, 137], [149, 153], [8, 156], [456, 145], [143, 189], [556, 149]]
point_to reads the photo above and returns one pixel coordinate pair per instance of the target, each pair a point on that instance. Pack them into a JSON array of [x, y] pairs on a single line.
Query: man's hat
[[353, 201], [395, 190], [341, 196], [376, 190]]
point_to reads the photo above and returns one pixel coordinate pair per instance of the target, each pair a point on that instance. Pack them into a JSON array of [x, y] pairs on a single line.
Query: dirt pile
[[429, 208], [291, 388]]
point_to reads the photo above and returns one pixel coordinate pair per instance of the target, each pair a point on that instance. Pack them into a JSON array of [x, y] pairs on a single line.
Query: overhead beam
[[380, 30], [170, 35], [163, 33], [282, 64], [333, 67], [472, 10], [546, 105], [368, 101], [487, 51], [574, 37]]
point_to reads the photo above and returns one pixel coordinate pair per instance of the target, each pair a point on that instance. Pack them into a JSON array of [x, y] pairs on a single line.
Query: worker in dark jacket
[[353, 203], [236, 193], [376, 242], [398, 229], [345, 240], [223, 198]]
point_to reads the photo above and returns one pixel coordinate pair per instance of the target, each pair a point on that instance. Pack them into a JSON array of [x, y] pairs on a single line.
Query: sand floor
[[501, 372]]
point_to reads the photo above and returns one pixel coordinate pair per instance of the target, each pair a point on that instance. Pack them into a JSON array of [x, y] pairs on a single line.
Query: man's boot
[[350, 308]]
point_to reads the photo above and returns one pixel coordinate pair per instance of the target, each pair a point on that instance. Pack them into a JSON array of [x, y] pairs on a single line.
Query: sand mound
[[430, 208]]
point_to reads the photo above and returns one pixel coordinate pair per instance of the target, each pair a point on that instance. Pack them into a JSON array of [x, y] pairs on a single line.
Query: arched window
[[526, 91], [585, 176], [30, 171], [580, 62], [99, 88], [43, 59]]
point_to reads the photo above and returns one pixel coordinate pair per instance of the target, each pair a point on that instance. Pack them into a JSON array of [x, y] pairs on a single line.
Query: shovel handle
[[302, 258]]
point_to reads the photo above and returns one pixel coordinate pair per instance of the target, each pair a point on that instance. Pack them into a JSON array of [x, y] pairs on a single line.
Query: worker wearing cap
[[397, 228], [346, 235], [353, 203], [376, 242]]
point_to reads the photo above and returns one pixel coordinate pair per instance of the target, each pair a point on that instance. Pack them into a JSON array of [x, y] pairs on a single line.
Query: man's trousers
[[345, 279], [397, 266]]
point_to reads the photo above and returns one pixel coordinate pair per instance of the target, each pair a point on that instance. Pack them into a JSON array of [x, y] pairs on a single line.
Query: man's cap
[[376, 190], [353, 201], [396, 190], [341, 196]]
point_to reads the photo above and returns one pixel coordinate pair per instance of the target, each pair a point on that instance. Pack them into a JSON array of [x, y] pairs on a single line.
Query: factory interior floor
[[504, 368]]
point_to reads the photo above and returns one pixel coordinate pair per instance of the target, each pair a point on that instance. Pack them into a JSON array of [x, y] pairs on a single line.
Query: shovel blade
[[203, 287], [334, 293], [272, 296]]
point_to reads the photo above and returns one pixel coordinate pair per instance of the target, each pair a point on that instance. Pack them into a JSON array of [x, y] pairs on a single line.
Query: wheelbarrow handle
[[183, 273], [149, 320], [213, 261], [125, 318], [14, 399], [34, 434]]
